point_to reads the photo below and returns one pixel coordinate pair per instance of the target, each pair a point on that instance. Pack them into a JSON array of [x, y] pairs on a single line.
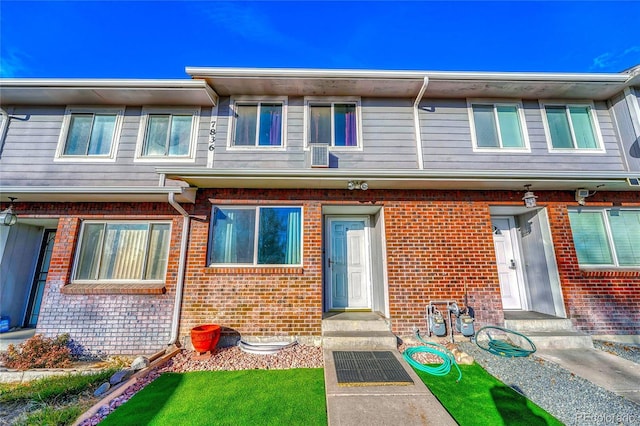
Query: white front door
[[347, 263], [509, 262]]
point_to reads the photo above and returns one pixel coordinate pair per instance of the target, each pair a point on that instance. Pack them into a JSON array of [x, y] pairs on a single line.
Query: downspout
[[416, 120], [186, 222], [6, 117]]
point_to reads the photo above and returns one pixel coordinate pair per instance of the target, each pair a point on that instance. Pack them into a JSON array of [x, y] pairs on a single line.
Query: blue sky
[[158, 39]]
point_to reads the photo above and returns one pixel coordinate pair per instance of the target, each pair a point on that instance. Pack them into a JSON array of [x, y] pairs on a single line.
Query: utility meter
[[464, 325]]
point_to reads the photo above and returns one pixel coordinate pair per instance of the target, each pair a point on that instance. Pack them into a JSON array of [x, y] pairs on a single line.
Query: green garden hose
[[503, 347], [435, 349]]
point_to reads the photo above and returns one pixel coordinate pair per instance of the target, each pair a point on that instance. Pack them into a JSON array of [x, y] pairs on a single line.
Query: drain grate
[[369, 368]]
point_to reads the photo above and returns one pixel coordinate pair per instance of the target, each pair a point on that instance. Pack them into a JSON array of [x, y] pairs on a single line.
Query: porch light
[[529, 197], [7, 216], [356, 184]]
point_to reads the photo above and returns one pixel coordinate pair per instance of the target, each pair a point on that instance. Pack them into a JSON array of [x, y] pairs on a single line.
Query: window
[[256, 236], [497, 126], [89, 134], [122, 251], [332, 123], [258, 124], [572, 127], [606, 237], [168, 134]]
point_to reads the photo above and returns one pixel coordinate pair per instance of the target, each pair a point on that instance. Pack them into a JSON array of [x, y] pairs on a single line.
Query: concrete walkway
[[608, 371], [381, 405]]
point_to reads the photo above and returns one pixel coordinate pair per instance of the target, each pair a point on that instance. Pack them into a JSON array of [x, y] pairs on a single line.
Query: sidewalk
[[608, 371], [381, 405]]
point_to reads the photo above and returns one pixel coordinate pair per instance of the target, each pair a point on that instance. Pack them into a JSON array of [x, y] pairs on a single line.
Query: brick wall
[[439, 245], [109, 323]]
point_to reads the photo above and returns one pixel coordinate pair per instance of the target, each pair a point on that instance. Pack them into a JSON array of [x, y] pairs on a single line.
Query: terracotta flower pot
[[204, 338]]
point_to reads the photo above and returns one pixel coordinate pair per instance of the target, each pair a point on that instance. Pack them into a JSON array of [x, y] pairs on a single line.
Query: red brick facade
[[439, 244]]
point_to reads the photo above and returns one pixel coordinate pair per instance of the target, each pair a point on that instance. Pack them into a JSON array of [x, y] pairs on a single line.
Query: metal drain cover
[[369, 368]]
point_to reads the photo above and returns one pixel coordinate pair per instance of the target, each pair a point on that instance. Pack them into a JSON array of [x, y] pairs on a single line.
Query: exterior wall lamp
[[7, 216], [529, 197], [356, 184]]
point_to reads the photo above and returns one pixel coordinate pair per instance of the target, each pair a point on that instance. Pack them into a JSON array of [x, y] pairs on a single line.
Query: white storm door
[[348, 264], [508, 262]]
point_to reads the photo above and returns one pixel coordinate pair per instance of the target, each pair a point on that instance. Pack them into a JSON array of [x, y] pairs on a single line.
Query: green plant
[[53, 416], [39, 352]]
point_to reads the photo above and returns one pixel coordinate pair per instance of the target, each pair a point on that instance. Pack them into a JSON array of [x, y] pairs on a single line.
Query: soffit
[[106, 92]]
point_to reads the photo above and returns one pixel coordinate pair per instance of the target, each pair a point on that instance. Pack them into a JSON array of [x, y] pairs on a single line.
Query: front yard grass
[[245, 397], [56, 400], [481, 399]]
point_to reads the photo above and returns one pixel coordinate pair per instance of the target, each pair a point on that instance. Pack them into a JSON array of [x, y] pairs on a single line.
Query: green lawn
[[481, 399], [247, 397]]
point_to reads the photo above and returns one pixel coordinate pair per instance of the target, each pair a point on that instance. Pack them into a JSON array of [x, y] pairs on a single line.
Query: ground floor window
[[256, 236], [606, 237], [122, 251]]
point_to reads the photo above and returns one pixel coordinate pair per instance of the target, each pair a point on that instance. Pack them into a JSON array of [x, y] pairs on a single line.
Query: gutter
[[6, 117], [186, 222], [416, 121]]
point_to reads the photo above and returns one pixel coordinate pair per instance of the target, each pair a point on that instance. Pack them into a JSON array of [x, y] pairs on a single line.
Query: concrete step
[[359, 340], [560, 339], [546, 324], [355, 321]]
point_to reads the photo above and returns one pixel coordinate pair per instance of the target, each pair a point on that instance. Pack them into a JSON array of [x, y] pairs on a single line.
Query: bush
[[39, 352]]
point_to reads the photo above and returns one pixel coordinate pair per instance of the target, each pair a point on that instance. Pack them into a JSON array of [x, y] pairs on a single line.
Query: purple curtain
[[350, 129], [276, 128]]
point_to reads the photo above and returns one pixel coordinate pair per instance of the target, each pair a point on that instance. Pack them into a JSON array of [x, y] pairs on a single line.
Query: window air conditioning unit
[[634, 181], [319, 155]]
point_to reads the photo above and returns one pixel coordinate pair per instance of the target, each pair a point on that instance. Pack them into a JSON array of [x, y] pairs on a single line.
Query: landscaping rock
[[120, 376], [102, 389], [139, 363]]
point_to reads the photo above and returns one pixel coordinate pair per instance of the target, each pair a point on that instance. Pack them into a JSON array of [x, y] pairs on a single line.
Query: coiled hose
[[435, 349], [503, 347]]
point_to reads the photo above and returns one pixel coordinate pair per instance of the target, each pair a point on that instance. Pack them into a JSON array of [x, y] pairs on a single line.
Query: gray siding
[[31, 141], [446, 140], [388, 140], [629, 139]]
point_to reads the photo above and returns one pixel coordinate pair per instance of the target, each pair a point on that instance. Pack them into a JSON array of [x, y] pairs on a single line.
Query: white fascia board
[[413, 75], [92, 193], [103, 83]]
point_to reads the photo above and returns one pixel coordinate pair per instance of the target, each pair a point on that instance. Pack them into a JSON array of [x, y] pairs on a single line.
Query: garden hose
[[502, 347], [435, 349]]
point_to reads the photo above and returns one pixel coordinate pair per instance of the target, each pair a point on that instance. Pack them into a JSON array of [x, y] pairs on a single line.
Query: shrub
[[39, 352]]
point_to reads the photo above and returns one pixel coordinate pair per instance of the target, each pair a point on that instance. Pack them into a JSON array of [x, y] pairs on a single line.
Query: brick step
[[355, 321]]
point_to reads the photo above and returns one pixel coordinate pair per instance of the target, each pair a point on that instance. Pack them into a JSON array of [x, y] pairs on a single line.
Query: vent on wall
[[319, 155], [634, 181]]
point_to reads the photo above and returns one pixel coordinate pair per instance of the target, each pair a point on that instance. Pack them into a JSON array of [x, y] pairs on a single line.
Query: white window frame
[[144, 120], [64, 132], [609, 234], [595, 127], [255, 263], [78, 248], [249, 100], [526, 148], [323, 100]]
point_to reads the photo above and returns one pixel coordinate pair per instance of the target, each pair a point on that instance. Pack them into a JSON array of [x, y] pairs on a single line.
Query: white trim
[[248, 100], [142, 131], [255, 264], [416, 123], [213, 130], [115, 138], [78, 250], [595, 127], [332, 100], [327, 287], [524, 133]]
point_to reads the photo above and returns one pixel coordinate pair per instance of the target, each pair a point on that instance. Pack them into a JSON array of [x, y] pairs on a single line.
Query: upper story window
[[498, 126], [252, 235], [89, 134], [168, 134], [126, 252], [258, 123], [333, 123], [606, 237], [572, 127]]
